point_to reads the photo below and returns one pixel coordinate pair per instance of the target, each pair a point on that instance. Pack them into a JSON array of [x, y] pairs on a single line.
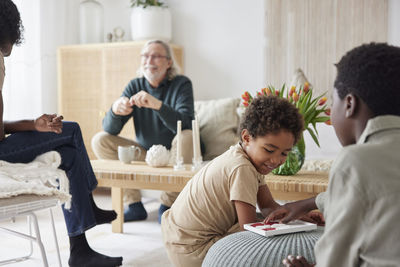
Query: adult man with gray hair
[[156, 100]]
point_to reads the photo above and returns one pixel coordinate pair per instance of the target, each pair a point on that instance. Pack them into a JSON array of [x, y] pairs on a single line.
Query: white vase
[[152, 22], [91, 24]]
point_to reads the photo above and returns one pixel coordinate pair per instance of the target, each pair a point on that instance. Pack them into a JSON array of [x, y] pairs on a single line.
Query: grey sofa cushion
[[250, 249]]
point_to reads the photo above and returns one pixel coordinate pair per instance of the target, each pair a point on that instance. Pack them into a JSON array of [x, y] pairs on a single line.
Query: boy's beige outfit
[[204, 211], [361, 205]]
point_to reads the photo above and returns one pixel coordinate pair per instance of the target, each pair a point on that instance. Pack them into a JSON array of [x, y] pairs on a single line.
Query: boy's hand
[[286, 213], [314, 217], [292, 211], [277, 215], [48, 123], [299, 261]]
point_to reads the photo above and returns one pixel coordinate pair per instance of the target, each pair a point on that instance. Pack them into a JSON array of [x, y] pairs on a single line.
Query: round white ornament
[[157, 156]]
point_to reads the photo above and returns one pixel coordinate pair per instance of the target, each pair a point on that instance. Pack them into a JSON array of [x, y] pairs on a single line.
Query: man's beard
[[152, 76]]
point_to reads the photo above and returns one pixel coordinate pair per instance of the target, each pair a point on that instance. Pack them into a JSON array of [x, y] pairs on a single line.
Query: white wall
[[23, 69], [394, 22], [30, 87], [223, 42], [223, 45]]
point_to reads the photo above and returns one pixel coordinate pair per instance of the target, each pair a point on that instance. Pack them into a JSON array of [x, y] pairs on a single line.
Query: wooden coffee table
[[302, 185], [138, 175]]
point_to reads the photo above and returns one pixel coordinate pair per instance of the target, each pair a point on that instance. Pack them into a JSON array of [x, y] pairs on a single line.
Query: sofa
[[218, 123]]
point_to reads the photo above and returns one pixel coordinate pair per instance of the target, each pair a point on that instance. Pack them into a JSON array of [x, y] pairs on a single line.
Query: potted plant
[[313, 109], [150, 19]]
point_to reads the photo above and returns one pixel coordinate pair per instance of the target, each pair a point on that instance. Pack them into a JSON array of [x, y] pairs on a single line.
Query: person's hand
[[314, 217], [288, 212], [278, 214], [145, 100], [122, 106], [298, 261], [48, 123]]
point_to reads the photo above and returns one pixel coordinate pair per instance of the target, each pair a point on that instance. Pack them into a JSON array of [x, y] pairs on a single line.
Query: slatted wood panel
[[91, 77], [315, 34], [139, 175], [142, 176], [303, 185]]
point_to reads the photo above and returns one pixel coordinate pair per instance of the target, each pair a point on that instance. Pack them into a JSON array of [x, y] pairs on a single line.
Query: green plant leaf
[[313, 135], [308, 107], [322, 119], [146, 3]]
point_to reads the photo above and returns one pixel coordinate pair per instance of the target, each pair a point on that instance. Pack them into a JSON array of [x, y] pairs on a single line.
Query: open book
[[275, 228]]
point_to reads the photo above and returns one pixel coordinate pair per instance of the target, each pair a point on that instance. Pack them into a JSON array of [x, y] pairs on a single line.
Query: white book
[[276, 228]]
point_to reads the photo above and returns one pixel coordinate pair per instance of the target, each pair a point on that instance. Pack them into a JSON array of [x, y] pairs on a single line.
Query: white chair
[[27, 205]]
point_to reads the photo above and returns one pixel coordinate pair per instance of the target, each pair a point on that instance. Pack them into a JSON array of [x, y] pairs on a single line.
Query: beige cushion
[[218, 122]]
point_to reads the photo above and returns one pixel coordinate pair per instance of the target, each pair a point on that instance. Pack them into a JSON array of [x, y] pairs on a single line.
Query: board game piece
[[276, 228]]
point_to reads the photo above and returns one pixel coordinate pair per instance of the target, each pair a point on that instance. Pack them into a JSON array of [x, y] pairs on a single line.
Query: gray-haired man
[[156, 101]]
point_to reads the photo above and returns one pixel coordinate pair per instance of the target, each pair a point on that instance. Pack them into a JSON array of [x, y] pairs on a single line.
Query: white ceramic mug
[[126, 154]]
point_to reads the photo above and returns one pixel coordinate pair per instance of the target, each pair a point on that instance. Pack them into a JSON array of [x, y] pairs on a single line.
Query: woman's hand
[[48, 123]]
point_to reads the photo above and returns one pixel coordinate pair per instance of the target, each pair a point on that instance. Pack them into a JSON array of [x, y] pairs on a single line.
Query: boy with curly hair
[[223, 195], [360, 203]]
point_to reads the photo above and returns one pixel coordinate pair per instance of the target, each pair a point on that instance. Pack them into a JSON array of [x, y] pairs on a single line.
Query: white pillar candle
[[198, 140], [178, 141], [194, 131]]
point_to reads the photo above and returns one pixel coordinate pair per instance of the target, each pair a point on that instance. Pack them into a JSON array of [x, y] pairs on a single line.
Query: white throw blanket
[[38, 177], [317, 165]]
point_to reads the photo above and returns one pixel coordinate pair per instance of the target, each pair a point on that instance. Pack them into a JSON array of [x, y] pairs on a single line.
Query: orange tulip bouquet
[[313, 109]]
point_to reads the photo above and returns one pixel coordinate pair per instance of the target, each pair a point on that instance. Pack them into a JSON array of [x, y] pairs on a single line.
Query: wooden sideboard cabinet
[[91, 77]]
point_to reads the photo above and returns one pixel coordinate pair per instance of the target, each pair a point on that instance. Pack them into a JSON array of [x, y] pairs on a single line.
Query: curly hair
[[371, 72], [271, 114], [10, 23]]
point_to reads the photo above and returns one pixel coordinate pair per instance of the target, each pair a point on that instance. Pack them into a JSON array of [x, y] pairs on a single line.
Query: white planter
[[152, 22], [91, 22]]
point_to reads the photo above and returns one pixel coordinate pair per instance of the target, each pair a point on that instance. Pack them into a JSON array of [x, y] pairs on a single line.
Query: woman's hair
[[271, 114], [10, 23], [171, 71], [371, 72]]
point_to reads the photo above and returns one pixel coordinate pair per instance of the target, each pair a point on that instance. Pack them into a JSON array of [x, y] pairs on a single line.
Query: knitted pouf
[[250, 249]]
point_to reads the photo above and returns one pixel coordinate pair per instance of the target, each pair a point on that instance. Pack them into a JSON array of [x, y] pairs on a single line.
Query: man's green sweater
[[156, 127]]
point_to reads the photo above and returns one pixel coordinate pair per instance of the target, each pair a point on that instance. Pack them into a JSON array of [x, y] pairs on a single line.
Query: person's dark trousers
[[23, 147]]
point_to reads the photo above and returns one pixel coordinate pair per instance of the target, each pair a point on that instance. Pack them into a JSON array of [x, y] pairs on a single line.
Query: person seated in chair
[[29, 138], [156, 101]]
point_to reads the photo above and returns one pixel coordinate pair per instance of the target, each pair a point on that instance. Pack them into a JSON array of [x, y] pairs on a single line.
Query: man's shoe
[[161, 210], [135, 212]]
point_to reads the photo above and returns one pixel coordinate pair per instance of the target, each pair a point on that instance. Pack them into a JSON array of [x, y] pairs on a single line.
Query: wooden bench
[[138, 175]]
